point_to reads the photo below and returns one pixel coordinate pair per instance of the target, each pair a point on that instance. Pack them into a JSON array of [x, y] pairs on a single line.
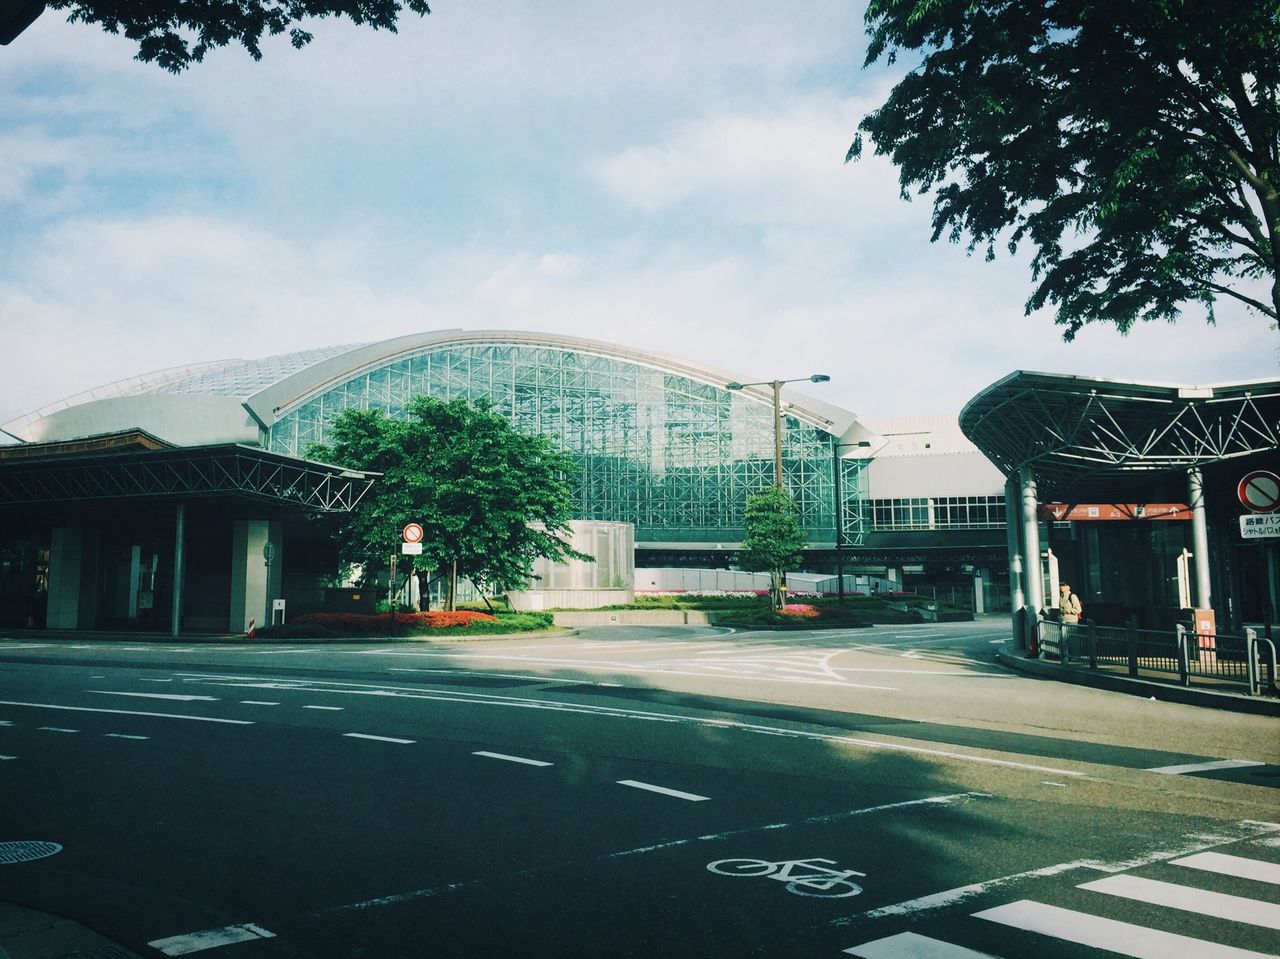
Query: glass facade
[[935, 512], [674, 456]]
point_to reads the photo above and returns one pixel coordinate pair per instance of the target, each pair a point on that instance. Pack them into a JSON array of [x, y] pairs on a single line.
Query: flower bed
[[356, 624]]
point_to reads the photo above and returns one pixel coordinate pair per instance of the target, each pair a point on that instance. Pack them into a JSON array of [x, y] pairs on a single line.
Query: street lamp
[[777, 415]]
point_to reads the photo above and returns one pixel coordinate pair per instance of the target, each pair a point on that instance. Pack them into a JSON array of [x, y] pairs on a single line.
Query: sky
[[666, 176]]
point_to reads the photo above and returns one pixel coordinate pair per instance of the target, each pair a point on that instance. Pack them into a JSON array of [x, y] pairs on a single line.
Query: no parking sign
[[1259, 491]]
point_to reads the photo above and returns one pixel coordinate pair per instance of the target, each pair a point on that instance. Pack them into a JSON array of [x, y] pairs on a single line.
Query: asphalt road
[[881, 793]]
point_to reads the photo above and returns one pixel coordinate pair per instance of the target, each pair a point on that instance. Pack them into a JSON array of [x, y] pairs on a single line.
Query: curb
[[1146, 688]]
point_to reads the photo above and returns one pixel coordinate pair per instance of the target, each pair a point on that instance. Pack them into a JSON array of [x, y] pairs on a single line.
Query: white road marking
[[1192, 843], [512, 759], [1109, 934], [209, 939], [1237, 866], [1221, 905], [130, 712], [24, 646], [909, 945], [552, 705], [58, 729], [381, 739], [1205, 767], [5, 722], [7, 757], [649, 787], [331, 709], [123, 736], [257, 702], [80, 647], [146, 680], [178, 697]]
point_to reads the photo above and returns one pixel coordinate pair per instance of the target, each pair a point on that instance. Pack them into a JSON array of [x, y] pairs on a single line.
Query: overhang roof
[[70, 473], [1088, 437]]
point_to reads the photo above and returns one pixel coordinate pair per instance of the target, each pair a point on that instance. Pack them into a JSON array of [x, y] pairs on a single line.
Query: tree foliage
[[176, 33], [489, 498], [774, 540], [1135, 144]]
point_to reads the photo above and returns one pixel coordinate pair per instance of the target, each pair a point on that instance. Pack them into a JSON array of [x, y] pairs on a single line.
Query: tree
[[490, 500], [176, 33], [774, 539], [1134, 143]]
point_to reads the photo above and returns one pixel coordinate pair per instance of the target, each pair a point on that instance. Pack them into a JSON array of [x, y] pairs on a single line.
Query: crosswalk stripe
[[1124, 938], [908, 945], [1236, 866], [1188, 899]]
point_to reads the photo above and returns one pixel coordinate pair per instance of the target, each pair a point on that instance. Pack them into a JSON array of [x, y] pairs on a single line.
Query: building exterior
[[1138, 495], [661, 443]]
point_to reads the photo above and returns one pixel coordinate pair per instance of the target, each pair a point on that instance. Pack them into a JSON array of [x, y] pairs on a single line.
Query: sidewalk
[[1170, 692], [27, 934]]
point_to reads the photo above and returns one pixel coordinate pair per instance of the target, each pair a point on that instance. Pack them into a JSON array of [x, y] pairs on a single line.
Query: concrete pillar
[[179, 564], [254, 583], [1033, 576], [73, 578], [1017, 595], [1199, 537]]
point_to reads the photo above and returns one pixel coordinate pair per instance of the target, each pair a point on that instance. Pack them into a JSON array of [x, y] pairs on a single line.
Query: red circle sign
[[413, 533], [1260, 491]]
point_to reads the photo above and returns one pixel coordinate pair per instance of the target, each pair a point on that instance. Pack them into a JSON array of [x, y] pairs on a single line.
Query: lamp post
[[778, 577], [777, 415]]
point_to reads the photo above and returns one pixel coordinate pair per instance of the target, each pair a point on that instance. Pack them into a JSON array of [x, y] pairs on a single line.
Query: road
[[883, 793]]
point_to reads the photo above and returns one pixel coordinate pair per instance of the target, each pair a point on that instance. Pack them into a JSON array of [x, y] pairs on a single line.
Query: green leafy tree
[[1135, 144], [176, 33], [490, 500], [774, 539]]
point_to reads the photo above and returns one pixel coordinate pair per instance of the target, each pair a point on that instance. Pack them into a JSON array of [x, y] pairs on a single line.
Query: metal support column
[[836, 470], [1199, 537], [1033, 577], [179, 563], [1017, 597]]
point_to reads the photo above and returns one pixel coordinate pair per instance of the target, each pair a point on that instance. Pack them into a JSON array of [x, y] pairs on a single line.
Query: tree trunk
[[450, 602]]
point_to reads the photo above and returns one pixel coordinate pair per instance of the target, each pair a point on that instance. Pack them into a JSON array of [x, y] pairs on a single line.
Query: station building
[[199, 476]]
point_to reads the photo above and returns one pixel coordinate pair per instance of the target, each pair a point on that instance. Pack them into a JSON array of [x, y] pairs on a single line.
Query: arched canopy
[[1089, 438]]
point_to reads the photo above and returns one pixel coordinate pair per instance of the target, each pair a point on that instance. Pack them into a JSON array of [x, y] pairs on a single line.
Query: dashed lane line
[[663, 790], [191, 942], [381, 739], [511, 759], [176, 697], [1205, 766], [122, 736], [330, 709], [58, 729], [257, 702], [130, 712]]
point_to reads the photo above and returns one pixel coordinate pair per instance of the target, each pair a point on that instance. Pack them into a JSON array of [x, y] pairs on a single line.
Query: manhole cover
[[27, 850]]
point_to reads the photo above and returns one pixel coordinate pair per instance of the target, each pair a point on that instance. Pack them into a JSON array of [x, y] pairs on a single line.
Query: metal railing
[[1205, 659]]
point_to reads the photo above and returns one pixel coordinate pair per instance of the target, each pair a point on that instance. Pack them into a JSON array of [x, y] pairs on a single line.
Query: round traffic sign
[[413, 533], [1260, 491]]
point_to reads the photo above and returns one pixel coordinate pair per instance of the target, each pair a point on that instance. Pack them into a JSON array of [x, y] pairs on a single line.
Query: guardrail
[[1207, 659]]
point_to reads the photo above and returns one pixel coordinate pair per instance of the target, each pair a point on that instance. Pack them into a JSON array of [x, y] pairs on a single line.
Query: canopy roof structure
[[136, 465], [1087, 438]]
